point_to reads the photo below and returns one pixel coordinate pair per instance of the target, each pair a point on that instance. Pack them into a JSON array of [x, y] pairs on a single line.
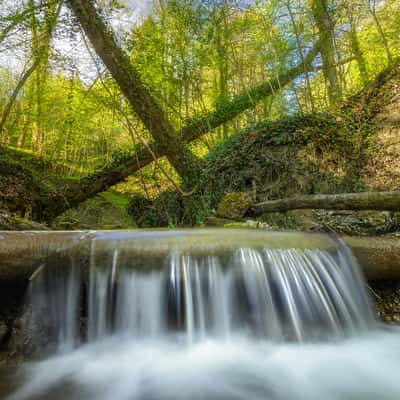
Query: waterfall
[[283, 294], [205, 314]]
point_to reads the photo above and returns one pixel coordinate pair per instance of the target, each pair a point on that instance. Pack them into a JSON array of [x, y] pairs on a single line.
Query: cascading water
[[197, 315]]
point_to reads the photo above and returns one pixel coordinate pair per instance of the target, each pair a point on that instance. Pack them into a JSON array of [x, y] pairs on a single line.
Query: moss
[[299, 154], [108, 210], [27, 182], [16, 223], [234, 205]]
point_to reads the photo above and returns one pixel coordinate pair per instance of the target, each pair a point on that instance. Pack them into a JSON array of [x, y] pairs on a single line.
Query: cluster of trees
[[151, 85]]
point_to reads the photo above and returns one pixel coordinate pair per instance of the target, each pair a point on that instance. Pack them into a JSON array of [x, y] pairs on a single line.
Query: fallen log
[[380, 201], [23, 253], [379, 257]]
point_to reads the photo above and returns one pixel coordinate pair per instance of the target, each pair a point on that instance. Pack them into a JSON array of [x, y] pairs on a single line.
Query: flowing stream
[[198, 315]]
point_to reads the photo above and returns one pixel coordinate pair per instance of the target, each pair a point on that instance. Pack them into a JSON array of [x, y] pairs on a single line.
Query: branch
[[247, 99], [51, 19], [117, 172]]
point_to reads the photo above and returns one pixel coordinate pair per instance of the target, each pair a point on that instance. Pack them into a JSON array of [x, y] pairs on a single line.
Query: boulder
[[234, 205]]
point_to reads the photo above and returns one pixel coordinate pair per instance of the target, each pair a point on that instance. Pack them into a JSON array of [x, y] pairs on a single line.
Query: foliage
[[195, 57]]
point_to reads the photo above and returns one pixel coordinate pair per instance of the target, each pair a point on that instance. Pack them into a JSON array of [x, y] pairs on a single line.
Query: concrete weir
[[23, 253]]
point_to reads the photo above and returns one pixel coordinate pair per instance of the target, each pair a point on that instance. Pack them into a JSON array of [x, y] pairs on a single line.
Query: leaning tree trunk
[[72, 195], [384, 201], [166, 139]]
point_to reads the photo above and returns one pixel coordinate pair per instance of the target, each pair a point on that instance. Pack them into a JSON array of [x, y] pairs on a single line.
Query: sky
[[71, 47]]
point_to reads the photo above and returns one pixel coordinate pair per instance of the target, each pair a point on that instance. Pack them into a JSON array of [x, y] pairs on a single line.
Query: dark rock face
[[3, 331], [386, 296]]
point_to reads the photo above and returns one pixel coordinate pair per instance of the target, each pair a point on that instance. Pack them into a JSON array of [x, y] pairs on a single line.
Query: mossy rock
[[234, 205], [108, 210], [9, 222]]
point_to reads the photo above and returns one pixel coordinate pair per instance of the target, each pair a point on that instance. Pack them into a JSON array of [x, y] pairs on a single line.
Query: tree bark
[[324, 23], [74, 194], [356, 48], [166, 139], [383, 201]]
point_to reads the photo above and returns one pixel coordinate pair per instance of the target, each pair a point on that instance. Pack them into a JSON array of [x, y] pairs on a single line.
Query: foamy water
[[175, 316], [367, 367]]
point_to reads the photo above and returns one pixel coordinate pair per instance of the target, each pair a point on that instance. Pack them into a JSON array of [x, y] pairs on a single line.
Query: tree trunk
[[109, 176], [324, 23], [38, 53], [372, 10], [299, 49], [166, 139], [384, 201], [355, 45]]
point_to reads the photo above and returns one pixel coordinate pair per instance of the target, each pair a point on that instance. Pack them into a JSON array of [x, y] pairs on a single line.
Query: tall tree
[[166, 138], [324, 22], [40, 49], [111, 175], [372, 9], [355, 43]]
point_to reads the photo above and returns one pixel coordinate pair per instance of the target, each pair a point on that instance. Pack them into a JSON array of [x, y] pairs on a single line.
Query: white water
[[252, 323], [366, 368]]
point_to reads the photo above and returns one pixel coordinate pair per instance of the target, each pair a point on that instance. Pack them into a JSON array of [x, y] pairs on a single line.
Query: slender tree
[[166, 138], [40, 50], [325, 25], [373, 12]]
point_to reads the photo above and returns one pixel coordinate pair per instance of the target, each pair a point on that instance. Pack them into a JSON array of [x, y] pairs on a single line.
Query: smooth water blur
[[366, 368], [154, 317], [283, 294]]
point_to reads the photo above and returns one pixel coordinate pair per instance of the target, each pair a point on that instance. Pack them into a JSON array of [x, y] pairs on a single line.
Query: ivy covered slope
[[317, 153], [30, 188], [351, 150], [26, 181]]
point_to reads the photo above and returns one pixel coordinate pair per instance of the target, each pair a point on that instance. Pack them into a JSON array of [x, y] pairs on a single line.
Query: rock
[[215, 221], [359, 222], [3, 331], [9, 222], [234, 205], [304, 219]]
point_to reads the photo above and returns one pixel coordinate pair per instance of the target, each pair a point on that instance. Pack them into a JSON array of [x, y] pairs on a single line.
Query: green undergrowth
[[107, 210], [25, 179], [300, 154]]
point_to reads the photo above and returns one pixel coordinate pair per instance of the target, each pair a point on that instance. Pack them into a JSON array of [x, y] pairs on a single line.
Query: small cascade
[[202, 292], [204, 314]]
